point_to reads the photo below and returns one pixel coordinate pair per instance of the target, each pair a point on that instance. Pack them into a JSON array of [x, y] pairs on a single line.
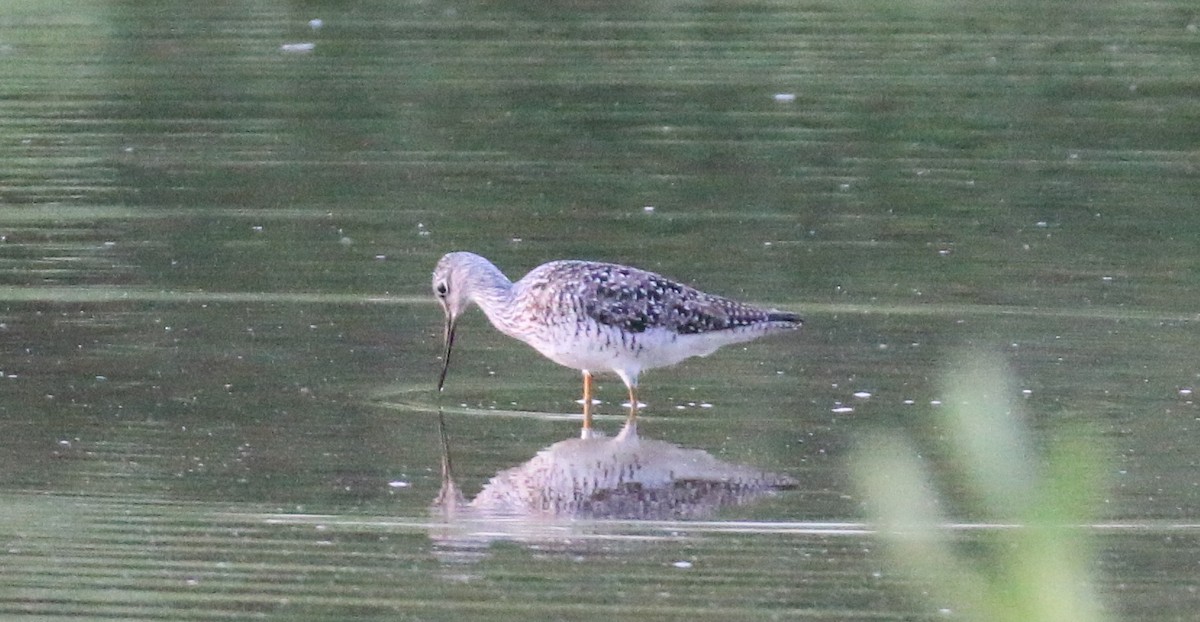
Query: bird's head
[[450, 289]]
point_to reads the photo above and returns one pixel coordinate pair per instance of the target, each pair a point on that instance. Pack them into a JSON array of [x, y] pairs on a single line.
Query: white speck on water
[[298, 48], [1026, 392], [862, 395], [705, 405], [346, 241], [649, 209], [843, 187], [785, 98], [316, 23], [682, 564], [935, 402], [381, 257], [398, 484], [1185, 391], [1106, 279], [909, 402], [257, 228], [842, 409], [680, 407], [1041, 224]]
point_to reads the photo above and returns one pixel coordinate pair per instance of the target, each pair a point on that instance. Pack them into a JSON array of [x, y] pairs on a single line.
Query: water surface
[[220, 347]]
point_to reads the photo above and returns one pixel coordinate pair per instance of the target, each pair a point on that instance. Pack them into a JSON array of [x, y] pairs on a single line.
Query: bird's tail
[[784, 317]]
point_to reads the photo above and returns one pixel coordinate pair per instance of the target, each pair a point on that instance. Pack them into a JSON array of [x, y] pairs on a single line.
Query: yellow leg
[[633, 405], [587, 405], [629, 430]]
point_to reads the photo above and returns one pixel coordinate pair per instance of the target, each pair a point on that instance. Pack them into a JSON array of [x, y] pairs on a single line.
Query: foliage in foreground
[[1029, 560]]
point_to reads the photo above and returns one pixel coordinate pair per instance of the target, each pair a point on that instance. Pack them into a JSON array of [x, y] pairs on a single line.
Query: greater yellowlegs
[[595, 316]]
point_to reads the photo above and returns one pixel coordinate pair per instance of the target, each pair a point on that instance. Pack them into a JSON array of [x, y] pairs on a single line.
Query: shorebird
[[598, 317]]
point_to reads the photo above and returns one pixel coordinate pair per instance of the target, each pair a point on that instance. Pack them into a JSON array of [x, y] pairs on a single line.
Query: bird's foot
[[629, 431]]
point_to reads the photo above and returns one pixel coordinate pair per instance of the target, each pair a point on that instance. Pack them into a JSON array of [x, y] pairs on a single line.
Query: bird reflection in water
[[624, 477]]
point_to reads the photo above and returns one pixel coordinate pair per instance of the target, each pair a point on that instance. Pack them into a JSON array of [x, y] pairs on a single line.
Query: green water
[[219, 345]]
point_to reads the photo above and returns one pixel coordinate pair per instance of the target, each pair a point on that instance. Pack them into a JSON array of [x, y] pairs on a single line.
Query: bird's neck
[[493, 293]]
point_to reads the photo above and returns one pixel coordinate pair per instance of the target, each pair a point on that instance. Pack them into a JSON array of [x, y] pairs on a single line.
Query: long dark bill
[[449, 336]]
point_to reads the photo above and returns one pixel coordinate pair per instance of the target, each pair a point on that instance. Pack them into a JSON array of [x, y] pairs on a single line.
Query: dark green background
[[219, 345]]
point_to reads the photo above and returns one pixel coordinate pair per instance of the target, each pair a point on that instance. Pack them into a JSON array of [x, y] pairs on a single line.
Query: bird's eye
[[441, 289]]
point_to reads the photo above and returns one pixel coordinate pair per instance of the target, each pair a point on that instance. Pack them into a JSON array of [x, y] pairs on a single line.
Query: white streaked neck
[[487, 287]]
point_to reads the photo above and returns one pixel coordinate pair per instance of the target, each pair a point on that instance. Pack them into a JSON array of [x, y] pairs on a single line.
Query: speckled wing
[[636, 301]]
